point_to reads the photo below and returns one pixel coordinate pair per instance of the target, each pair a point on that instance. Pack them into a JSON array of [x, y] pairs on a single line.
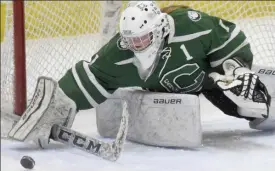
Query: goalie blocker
[[157, 119]]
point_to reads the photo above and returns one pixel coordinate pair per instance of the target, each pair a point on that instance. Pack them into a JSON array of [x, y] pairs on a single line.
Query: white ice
[[228, 145]]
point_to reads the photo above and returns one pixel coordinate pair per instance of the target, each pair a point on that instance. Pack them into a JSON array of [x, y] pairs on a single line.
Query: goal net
[[60, 33]]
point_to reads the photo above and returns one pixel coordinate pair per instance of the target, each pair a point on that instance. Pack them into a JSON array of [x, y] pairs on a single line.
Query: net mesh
[[60, 33]]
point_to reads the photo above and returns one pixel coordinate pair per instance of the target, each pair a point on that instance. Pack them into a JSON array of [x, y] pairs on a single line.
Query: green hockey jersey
[[197, 45]]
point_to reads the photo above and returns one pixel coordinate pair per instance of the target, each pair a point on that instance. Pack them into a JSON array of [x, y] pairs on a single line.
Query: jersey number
[[188, 56]]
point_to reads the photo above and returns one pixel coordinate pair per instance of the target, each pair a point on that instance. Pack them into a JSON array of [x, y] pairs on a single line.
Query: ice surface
[[228, 144]]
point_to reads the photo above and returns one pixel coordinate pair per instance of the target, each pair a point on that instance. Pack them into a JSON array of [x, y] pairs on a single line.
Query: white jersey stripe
[[189, 36], [223, 26], [220, 61], [234, 33], [93, 80], [82, 88], [126, 61]]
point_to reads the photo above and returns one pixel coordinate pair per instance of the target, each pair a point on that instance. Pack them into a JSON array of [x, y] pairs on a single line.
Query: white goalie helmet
[[143, 28]]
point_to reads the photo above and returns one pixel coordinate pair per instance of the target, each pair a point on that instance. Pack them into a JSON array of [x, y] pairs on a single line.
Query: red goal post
[[19, 58]]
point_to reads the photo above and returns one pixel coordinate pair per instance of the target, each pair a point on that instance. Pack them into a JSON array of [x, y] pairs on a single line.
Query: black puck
[[27, 162]]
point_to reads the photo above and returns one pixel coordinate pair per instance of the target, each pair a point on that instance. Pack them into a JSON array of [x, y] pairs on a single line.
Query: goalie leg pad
[[158, 119], [266, 123], [268, 79], [49, 106]]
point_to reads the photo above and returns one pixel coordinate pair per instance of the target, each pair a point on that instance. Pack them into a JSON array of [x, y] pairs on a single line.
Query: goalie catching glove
[[244, 88]]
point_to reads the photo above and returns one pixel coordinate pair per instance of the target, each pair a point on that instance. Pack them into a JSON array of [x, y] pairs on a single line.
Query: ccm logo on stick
[[167, 101], [79, 141]]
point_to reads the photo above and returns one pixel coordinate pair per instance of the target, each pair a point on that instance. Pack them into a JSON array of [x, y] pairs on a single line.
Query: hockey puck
[[27, 162]]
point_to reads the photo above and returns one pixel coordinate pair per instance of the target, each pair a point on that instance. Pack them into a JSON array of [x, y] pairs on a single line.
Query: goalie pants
[[218, 99]]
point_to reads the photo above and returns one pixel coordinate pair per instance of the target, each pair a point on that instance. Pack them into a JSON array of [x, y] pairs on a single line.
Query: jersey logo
[[194, 16], [172, 80], [121, 45]]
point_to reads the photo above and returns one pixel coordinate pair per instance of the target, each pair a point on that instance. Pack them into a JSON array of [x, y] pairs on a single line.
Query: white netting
[[61, 33], [58, 35]]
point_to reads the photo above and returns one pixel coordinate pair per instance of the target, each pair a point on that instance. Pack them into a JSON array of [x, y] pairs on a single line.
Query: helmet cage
[[140, 42]]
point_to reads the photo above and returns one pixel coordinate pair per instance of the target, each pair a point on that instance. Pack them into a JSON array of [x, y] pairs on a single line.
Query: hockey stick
[[109, 151]]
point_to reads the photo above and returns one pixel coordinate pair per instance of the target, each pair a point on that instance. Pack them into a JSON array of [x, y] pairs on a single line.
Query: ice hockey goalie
[[173, 55]]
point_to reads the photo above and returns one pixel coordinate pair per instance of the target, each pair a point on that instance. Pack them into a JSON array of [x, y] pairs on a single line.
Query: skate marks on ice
[[230, 140], [228, 134], [238, 140], [226, 142], [30, 147], [222, 133]]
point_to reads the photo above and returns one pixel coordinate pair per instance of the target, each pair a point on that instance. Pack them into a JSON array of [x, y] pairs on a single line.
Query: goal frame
[[20, 82]]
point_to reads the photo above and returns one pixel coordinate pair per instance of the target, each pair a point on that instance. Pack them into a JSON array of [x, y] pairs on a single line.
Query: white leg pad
[[49, 106], [268, 123], [267, 76], [158, 119]]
